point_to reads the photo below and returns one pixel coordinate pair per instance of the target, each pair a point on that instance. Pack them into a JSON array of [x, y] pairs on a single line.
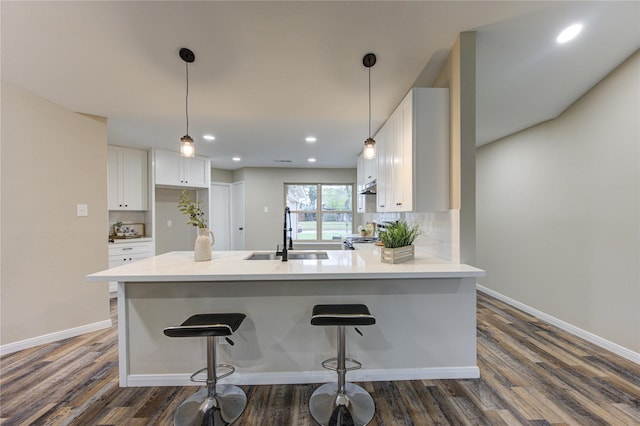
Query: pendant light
[[187, 149], [368, 61]]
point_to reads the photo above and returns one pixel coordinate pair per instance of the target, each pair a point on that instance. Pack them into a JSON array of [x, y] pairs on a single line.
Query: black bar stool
[[216, 404], [341, 403]]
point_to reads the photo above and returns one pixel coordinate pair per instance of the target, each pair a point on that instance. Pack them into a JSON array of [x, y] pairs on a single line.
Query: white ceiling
[[267, 74]]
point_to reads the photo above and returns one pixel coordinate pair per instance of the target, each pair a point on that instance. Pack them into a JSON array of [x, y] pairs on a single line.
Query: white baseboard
[[589, 337], [53, 337], [302, 377]]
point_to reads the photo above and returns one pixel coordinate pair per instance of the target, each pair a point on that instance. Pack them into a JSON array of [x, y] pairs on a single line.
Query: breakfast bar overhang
[[425, 313]]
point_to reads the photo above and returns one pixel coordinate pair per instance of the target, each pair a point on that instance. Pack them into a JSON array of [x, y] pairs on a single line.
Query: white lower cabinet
[[129, 252]]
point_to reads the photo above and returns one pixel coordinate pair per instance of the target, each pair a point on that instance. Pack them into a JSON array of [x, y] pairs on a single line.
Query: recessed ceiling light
[[209, 137], [236, 158], [311, 160], [569, 33], [310, 139]]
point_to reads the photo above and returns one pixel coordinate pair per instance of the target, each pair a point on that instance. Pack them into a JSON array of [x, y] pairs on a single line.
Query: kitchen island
[[425, 313]]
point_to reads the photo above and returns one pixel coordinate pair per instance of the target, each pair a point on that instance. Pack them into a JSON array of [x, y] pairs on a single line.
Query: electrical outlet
[[82, 210]]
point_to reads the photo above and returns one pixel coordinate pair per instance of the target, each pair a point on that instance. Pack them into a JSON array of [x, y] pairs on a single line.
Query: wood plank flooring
[[531, 374]]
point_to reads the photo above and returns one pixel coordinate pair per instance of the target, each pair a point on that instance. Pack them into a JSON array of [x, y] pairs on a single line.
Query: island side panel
[[425, 328]]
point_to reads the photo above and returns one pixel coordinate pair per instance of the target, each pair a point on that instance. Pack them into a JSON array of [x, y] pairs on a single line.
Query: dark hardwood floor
[[531, 374]]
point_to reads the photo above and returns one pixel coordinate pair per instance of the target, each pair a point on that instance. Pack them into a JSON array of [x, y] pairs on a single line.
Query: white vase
[[204, 241]]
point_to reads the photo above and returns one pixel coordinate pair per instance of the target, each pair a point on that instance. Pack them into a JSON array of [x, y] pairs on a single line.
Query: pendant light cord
[[369, 102], [186, 99]]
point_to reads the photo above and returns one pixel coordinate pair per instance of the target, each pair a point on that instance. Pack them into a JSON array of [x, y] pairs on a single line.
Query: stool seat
[[204, 325], [216, 404], [350, 314], [341, 403]]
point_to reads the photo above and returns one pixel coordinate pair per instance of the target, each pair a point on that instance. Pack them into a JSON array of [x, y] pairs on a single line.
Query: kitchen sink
[[299, 255]]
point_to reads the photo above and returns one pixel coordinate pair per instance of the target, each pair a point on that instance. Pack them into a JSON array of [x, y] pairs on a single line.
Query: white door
[[220, 221], [237, 216]]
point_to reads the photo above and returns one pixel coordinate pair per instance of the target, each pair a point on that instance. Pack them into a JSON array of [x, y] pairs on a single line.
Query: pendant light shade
[[187, 148], [368, 61], [369, 149]]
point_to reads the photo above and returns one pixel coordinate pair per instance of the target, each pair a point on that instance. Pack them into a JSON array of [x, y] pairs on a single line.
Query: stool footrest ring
[[221, 376], [327, 363]]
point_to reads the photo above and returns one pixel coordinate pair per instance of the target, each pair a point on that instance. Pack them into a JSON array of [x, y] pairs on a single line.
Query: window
[[320, 211]]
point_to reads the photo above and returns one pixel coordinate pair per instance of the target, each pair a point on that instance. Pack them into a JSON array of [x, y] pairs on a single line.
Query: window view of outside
[[320, 211]]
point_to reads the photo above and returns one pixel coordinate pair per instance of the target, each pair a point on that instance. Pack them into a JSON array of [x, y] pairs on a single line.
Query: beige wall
[[221, 175], [52, 159], [264, 187], [179, 236], [559, 212], [459, 75]]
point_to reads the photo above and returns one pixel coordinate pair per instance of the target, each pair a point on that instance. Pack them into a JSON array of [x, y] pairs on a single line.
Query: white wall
[[558, 212], [52, 159], [264, 187]]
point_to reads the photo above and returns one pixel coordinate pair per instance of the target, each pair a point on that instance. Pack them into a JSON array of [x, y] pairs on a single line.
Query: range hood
[[370, 188]]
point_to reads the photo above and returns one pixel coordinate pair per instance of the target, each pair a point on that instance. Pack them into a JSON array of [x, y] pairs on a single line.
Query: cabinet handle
[[381, 205], [127, 248], [240, 229]]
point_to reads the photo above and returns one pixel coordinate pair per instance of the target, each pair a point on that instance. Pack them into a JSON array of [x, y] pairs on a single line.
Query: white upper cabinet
[[127, 184], [413, 154], [174, 170], [370, 170]]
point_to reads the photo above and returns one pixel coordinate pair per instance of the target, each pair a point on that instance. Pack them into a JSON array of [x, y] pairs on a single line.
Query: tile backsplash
[[440, 231]]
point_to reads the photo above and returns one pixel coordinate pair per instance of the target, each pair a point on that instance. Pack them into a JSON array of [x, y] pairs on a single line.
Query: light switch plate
[[82, 210]]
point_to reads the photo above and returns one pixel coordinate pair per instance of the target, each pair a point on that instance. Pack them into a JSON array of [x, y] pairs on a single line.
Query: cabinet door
[[370, 169], [396, 156], [196, 172], [382, 142], [134, 172], [404, 197], [360, 181], [168, 168], [114, 178]]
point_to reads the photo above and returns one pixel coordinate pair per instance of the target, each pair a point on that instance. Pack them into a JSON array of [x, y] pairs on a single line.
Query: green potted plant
[[193, 210], [398, 238]]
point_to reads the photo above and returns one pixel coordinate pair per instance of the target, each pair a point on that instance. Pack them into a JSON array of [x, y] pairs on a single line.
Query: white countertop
[[363, 263], [130, 240]]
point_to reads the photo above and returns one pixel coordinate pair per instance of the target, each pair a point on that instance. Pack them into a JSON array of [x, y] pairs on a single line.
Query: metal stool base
[[326, 399], [227, 405]]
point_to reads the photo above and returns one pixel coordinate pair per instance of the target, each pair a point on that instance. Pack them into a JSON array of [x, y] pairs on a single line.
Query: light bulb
[[186, 147], [369, 149]]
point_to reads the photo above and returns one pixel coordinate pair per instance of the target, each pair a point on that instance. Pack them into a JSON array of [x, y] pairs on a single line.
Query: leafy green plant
[[399, 234], [192, 209]]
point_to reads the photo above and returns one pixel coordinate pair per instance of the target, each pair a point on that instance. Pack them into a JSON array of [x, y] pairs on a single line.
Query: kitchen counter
[[425, 316], [363, 263], [130, 240]]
